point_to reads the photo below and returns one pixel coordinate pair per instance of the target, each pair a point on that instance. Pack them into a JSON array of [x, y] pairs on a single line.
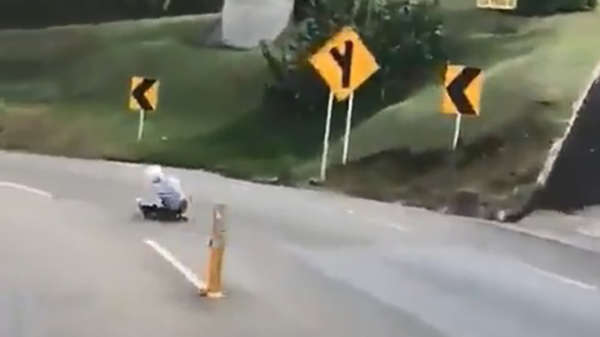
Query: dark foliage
[[547, 7], [43, 13]]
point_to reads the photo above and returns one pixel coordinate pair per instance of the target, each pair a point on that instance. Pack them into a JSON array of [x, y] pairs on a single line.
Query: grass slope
[[64, 91]]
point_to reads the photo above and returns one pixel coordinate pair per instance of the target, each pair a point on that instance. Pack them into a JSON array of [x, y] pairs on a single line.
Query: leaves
[[405, 37]]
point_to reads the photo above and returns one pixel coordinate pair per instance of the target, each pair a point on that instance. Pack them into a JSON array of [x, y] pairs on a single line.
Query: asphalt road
[[73, 262]]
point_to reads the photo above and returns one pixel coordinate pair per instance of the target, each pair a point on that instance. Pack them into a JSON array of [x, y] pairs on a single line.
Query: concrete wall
[[246, 22]]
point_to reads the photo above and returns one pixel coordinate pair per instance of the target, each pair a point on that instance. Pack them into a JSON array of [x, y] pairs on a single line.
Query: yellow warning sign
[[345, 63], [143, 94], [498, 4], [462, 91]]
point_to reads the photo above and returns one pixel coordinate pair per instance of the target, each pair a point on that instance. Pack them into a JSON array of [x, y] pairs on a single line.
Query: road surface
[[75, 262]]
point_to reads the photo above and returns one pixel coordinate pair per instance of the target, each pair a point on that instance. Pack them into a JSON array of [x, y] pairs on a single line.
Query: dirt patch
[[496, 172]]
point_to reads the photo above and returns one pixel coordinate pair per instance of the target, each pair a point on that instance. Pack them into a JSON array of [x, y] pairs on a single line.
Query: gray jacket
[[169, 191]]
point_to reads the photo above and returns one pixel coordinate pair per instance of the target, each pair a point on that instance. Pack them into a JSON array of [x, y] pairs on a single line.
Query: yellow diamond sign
[[344, 63]]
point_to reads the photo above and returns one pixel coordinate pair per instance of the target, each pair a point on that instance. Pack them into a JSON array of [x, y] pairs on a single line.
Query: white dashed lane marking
[[25, 188], [185, 271]]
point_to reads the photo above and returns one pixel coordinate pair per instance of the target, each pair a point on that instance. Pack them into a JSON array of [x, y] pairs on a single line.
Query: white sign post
[[141, 126], [348, 128], [326, 138], [456, 132]]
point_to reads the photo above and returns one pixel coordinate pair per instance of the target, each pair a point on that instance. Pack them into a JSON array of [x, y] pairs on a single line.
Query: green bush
[[546, 7], [42, 13], [404, 36]]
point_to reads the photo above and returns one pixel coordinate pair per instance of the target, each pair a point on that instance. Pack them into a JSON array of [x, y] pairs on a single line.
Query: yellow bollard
[[216, 244]]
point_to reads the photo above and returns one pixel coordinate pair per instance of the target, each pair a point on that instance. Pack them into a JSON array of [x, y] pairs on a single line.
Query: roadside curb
[[585, 243]]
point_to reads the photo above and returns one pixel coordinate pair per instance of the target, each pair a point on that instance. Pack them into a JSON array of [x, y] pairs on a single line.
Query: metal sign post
[[326, 137], [348, 129], [141, 125], [456, 132]]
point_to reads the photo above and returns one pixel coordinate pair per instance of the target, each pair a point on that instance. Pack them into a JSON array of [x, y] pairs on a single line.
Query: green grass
[[78, 76], [546, 60]]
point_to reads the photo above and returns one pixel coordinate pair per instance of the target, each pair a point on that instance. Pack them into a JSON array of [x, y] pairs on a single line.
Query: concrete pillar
[[246, 22]]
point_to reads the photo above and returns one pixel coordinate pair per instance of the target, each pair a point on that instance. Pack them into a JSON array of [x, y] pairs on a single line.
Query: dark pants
[[163, 209]]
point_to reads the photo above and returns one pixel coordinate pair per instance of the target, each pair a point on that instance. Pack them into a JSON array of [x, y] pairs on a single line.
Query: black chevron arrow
[[139, 93], [456, 90]]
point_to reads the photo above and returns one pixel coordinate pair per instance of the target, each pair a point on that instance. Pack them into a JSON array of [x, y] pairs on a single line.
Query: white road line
[[373, 221], [126, 164], [187, 273], [26, 189], [382, 222], [564, 279], [397, 227]]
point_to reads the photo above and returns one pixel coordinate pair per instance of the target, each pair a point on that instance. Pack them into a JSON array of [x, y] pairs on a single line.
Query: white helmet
[[154, 173]]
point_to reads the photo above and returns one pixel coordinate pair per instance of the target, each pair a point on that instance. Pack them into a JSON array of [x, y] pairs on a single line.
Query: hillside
[[64, 91], [535, 70]]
